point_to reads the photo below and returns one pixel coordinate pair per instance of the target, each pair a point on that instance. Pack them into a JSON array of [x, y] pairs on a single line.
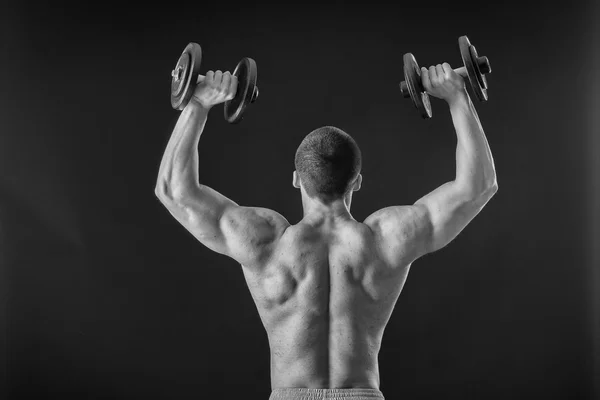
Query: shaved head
[[328, 161]]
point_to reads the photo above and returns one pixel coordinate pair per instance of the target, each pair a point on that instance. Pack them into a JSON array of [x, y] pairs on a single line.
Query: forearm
[[178, 170], [474, 163]]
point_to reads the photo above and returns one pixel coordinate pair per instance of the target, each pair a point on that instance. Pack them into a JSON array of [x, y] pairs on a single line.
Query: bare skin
[[325, 287]]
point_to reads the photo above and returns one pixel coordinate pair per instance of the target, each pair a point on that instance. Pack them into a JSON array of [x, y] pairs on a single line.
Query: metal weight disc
[[247, 92], [478, 67], [177, 81], [470, 59], [412, 77], [185, 76]]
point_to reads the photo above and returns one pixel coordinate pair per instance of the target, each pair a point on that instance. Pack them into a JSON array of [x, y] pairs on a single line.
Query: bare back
[[325, 296], [325, 290]]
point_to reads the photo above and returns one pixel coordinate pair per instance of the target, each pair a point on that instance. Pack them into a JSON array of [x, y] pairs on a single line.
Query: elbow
[[161, 190], [165, 194], [489, 188], [492, 186], [489, 191], [485, 188], [168, 193]]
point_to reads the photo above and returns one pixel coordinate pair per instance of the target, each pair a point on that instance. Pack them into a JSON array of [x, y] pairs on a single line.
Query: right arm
[[408, 232]]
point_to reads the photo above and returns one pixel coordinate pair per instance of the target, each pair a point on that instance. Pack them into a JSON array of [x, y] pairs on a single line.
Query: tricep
[[449, 209], [242, 233], [405, 233]]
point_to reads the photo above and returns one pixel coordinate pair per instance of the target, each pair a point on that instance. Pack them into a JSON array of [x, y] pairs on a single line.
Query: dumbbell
[[186, 76], [475, 68]]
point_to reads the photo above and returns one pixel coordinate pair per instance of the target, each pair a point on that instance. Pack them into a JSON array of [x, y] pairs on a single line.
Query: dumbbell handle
[[175, 74], [484, 66], [254, 94], [462, 71], [201, 78]]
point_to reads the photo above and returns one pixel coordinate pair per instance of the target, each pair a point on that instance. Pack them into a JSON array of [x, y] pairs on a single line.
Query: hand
[[442, 82], [215, 88]]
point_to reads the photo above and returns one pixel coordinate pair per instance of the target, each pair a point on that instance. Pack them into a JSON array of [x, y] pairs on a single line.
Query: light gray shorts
[[325, 394]]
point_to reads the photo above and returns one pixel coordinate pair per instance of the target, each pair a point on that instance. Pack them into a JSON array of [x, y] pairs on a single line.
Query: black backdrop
[[105, 296]]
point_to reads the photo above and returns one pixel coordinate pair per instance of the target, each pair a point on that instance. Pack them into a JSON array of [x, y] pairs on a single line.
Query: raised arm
[[408, 232], [245, 234]]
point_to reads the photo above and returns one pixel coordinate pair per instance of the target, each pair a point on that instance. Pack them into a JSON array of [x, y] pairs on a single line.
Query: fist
[[442, 82], [215, 88]]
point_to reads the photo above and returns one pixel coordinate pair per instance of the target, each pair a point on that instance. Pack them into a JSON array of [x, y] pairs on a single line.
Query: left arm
[[245, 234]]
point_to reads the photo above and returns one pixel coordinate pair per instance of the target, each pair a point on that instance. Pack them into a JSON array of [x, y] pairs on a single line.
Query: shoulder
[[400, 232], [251, 233], [271, 216], [257, 220], [403, 218]]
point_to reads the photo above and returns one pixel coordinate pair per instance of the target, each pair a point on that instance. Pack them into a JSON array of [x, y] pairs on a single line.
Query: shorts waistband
[[325, 394]]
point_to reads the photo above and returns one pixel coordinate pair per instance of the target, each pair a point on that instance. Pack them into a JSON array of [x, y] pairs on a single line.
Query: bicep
[[449, 209]]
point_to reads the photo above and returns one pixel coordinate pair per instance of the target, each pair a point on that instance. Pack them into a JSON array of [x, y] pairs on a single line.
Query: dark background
[[105, 296]]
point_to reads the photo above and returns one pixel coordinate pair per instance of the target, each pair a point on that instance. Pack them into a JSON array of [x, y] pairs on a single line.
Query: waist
[[324, 373]]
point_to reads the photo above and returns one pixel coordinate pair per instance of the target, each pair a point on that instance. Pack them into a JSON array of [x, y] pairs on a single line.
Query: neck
[[315, 210]]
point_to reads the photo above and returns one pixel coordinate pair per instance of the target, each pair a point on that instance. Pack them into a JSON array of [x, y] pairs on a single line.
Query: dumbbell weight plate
[[412, 77], [476, 77], [185, 76], [247, 92]]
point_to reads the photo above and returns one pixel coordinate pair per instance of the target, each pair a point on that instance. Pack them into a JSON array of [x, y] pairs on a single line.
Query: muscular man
[[325, 287]]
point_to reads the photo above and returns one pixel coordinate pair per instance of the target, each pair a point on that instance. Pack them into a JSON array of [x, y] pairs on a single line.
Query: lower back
[[312, 354]]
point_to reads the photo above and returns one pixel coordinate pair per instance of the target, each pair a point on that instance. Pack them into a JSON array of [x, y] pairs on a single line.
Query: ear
[[296, 180], [357, 183]]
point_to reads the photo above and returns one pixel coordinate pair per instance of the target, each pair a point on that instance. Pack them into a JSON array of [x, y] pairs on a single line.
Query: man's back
[[324, 297], [325, 288]]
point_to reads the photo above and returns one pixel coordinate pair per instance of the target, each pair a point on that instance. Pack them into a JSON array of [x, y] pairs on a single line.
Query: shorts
[[325, 394]]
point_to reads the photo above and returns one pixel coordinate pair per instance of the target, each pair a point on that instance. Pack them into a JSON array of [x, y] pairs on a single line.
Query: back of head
[[328, 162]]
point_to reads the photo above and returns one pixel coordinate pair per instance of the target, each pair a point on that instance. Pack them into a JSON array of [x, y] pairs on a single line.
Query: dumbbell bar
[[474, 70], [186, 76], [482, 62]]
